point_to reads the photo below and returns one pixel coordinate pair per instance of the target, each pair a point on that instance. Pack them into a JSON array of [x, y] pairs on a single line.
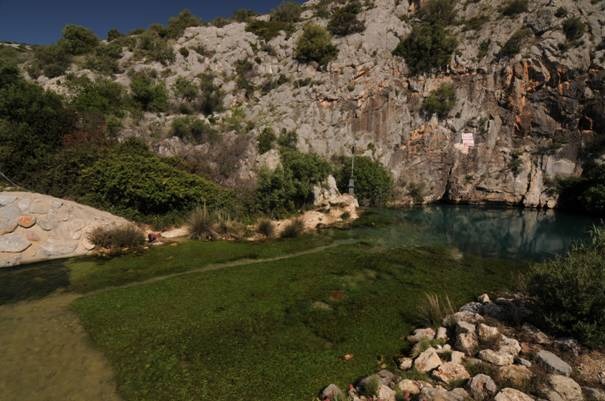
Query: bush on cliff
[[78, 40], [585, 193], [570, 292], [440, 101], [373, 182], [429, 46], [315, 45], [344, 20], [149, 92]]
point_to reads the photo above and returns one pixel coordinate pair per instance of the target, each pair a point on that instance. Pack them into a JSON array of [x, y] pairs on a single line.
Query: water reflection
[[505, 233]]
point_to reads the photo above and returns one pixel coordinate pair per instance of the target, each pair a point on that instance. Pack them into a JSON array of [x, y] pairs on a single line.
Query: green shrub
[[290, 187], [51, 60], [244, 15], [185, 90], [102, 96], [344, 20], [561, 12], [275, 192], [287, 139], [265, 140], [428, 47], [440, 101], [315, 44], [514, 43], [116, 238], [586, 193], [574, 28], [570, 292], [266, 228], [268, 30], [105, 59], [134, 182], [193, 129], [113, 34], [211, 98], [154, 47], [245, 73], [288, 12], [78, 40], [438, 12], [373, 182], [148, 92], [294, 229], [33, 123], [515, 7], [177, 25], [307, 170]]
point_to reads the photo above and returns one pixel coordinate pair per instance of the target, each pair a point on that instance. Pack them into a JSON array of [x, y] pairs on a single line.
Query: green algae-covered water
[[527, 234]]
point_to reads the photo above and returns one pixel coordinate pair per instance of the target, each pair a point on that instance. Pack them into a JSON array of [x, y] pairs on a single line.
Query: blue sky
[[41, 21]]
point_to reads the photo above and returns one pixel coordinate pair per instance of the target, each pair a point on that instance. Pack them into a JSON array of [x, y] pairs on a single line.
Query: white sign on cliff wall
[[468, 141]]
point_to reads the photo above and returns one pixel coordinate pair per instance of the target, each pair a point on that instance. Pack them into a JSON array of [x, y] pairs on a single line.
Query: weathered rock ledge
[[36, 227], [484, 352]]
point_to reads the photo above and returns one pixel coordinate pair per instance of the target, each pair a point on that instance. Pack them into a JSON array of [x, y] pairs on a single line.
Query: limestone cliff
[[532, 116]]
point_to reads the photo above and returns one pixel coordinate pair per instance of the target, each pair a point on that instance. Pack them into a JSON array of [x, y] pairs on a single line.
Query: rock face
[[36, 227], [529, 115]]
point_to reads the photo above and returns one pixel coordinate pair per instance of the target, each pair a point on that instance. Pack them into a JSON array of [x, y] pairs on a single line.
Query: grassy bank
[[276, 330], [89, 274]]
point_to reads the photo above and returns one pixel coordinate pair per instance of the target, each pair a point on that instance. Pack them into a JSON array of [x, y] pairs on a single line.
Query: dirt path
[[46, 355]]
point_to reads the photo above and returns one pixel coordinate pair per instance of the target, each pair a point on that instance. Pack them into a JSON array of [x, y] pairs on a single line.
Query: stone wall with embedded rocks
[[485, 352], [35, 227]]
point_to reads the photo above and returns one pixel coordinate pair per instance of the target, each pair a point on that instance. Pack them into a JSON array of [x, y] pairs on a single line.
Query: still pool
[[510, 233]]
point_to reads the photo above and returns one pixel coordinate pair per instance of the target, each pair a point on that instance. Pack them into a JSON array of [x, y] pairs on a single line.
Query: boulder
[[407, 386], [510, 394], [53, 248], [442, 334], [13, 243], [484, 299], [465, 327], [333, 393], [509, 345], [441, 394], [467, 343], [9, 216], [450, 372], [472, 307], [562, 388], [482, 387], [553, 363], [516, 375], [457, 357], [385, 393], [427, 361], [488, 333], [406, 363], [469, 317], [496, 358], [419, 335]]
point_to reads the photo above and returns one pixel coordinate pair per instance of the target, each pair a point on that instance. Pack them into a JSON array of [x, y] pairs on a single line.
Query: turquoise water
[[491, 232]]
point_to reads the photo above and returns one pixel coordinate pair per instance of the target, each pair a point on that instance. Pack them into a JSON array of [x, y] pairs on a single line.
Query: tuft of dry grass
[[433, 309]]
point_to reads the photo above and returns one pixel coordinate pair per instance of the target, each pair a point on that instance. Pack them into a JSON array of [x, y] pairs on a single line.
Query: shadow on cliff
[[32, 281]]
